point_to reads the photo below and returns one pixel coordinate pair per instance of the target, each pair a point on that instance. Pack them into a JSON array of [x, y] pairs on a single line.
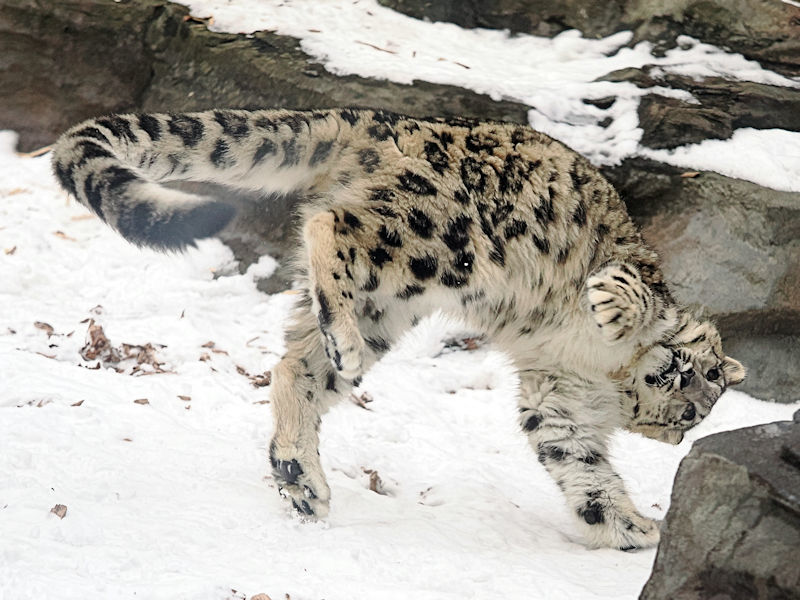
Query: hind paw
[[302, 483]]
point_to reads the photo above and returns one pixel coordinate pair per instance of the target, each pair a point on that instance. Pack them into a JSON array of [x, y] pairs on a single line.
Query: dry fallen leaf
[[261, 380], [64, 236], [375, 481], [690, 174], [10, 251], [78, 403], [260, 597], [59, 510], [185, 398], [362, 400], [35, 153], [46, 327], [141, 401], [375, 47]]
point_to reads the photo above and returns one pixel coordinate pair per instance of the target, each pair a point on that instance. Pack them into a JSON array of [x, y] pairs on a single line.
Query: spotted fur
[[496, 223]]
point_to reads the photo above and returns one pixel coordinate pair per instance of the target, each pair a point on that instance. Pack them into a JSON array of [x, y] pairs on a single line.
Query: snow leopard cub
[[496, 223]]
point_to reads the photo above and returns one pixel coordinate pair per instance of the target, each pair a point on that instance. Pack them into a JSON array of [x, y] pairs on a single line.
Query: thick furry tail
[[117, 166]]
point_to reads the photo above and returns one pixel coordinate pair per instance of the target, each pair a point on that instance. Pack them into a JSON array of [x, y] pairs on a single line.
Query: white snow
[[772, 156], [173, 499], [553, 75]]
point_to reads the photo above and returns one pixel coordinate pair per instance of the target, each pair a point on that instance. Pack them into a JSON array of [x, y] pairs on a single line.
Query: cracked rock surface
[[733, 526]]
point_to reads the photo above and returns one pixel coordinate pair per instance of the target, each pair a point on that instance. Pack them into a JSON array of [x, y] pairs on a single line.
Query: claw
[[303, 507]]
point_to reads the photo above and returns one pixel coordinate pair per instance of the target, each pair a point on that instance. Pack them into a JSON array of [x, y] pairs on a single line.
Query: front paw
[[623, 528], [302, 482], [618, 301]]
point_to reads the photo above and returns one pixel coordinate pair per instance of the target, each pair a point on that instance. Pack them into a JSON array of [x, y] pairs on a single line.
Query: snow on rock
[[172, 497], [553, 75]]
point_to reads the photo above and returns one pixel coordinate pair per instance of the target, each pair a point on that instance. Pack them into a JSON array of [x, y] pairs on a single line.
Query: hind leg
[[568, 421], [333, 292], [304, 386]]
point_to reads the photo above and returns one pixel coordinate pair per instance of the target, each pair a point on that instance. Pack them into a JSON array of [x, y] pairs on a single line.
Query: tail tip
[[144, 226]]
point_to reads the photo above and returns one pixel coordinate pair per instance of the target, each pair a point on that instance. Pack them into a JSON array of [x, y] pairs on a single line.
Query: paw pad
[[288, 470]]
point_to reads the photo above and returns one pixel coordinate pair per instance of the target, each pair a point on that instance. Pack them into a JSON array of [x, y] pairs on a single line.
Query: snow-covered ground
[[161, 461]]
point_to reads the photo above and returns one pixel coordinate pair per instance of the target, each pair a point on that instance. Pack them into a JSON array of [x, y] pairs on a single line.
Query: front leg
[[568, 421]]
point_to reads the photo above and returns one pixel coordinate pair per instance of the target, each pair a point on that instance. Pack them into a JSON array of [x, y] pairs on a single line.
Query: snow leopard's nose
[[686, 377]]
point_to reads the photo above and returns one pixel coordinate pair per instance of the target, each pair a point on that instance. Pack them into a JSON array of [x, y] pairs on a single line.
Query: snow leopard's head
[[676, 383]]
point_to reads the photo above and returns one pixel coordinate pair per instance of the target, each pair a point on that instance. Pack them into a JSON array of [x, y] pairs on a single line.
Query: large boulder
[[733, 527]]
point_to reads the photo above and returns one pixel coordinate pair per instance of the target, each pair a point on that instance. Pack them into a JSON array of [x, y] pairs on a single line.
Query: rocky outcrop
[[764, 30], [733, 527], [718, 107]]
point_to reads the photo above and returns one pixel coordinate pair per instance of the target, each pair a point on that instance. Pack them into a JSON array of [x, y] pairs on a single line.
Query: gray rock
[[719, 107], [733, 527]]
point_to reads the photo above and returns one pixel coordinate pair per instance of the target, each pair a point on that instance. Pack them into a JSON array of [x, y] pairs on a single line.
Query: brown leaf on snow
[[207, 21], [375, 481], [690, 174], [35, 153], [10, 251], [185, 398], [204, 357], [98, 347], [260, 597], [362, 400], [64, 236], [46, 327], [59, 510], [78, 403], [141, 401], [261, 380]]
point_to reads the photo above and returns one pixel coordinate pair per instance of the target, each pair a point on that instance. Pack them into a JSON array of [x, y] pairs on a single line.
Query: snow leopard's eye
[[713, 374]]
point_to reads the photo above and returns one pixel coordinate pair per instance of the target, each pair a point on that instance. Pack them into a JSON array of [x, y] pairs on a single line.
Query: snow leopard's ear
[[733, 370]]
